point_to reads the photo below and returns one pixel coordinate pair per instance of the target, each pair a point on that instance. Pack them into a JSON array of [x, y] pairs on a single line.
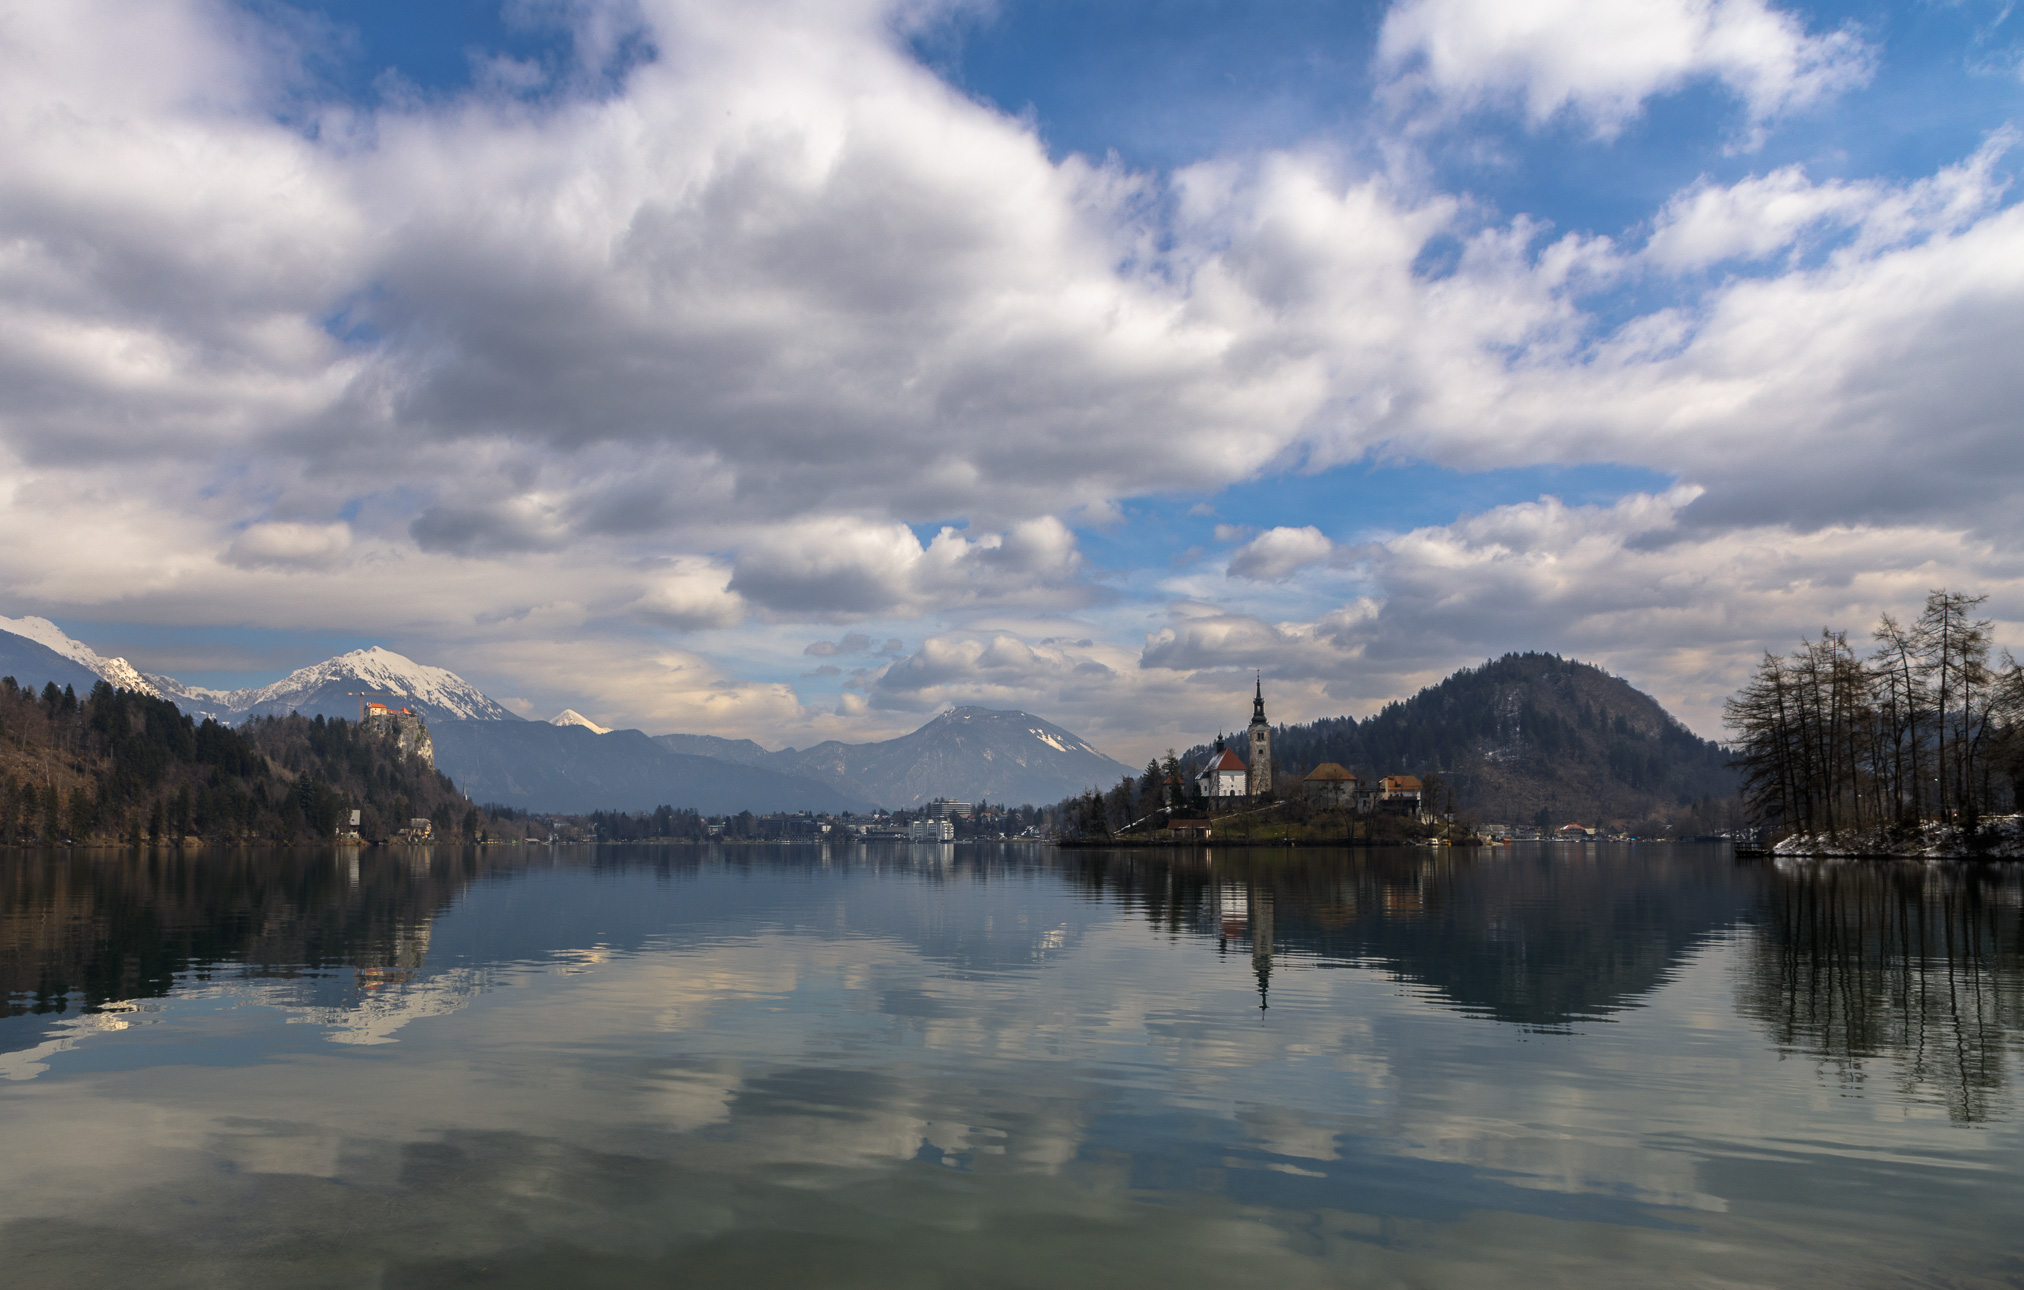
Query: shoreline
[[1999, 837]]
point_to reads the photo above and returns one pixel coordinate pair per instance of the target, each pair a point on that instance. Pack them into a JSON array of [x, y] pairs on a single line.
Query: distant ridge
[[571, 769], [968, 754], [741, 751]]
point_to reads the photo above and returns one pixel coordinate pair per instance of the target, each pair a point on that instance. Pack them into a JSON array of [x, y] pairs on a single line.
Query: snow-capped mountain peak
[[47, 634], [377, 671], [332, 688], [571, 717]]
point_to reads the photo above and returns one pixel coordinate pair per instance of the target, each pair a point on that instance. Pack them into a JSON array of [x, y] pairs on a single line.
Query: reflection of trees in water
[[90, 927], [1539, 937], [1921, 966]]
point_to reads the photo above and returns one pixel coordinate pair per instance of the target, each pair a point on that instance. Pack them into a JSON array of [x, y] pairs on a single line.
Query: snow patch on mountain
[[571, 717], [48, 635]]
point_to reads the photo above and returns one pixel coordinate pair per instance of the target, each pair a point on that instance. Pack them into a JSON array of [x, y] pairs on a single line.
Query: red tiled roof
[[1329, 770], [1402, 783], [1228, 761]]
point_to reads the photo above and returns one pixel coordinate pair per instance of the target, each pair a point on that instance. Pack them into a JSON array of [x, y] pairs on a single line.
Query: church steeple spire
[[1259, 739]]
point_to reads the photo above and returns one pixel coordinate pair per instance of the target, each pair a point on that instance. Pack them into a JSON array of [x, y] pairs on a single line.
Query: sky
[[794, 369]]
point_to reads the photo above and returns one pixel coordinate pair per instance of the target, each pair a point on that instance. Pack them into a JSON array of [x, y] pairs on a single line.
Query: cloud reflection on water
[[716, 1064]]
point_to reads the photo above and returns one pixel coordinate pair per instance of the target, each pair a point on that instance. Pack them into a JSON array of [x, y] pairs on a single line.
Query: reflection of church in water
[[1246, 910]]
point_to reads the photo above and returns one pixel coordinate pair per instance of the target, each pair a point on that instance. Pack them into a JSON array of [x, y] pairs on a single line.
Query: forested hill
[[120, 766], [1530, 737]]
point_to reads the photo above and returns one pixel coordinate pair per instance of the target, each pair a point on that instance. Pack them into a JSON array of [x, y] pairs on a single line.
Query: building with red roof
[[1224, 776]]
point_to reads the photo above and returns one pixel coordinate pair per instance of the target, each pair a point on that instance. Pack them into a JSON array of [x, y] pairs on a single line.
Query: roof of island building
[[1329, 770], [1227, 761], [1402, 783]]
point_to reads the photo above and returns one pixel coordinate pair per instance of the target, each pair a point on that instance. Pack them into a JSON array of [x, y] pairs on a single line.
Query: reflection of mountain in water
[[1921, 966], [1539, 937]]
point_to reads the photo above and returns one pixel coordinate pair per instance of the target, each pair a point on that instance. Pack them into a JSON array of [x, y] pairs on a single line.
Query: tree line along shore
[[1913, 747]]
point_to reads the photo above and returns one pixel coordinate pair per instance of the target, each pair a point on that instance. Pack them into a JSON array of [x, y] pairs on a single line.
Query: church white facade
[[1229, 775], [1226, 775]]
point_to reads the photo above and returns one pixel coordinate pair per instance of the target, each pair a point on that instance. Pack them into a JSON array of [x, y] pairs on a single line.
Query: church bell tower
[[1259, 781]]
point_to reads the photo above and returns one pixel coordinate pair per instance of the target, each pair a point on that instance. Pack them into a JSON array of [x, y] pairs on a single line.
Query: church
[[1228, 775]]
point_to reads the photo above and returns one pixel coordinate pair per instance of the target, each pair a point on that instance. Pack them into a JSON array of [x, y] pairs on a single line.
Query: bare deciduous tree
[[1923, 729]]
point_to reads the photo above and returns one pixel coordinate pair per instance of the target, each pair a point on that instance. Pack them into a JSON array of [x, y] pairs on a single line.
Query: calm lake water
[[958, 1066]]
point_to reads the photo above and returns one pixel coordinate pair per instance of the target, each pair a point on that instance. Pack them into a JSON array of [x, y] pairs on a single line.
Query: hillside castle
[[405, 727]]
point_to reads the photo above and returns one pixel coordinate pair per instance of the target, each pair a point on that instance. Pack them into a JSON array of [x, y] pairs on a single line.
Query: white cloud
[[1749, 220], [698, 350], [851, 568], [279, 544], [691, 594], [1602, 59], [656, 690], [1278, 552], [852, 643], [843, 296], [1765, 214]]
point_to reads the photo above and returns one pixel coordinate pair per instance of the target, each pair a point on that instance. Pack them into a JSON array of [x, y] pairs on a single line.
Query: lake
[[1007, 1066]]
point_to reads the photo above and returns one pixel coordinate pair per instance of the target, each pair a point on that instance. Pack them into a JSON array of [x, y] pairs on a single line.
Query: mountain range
[[1519, 739], [327, 689], [991, 754], [572, 770], [572, 765]]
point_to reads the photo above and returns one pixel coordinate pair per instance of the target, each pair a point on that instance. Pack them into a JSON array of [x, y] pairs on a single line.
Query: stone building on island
[[1330, 785]]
